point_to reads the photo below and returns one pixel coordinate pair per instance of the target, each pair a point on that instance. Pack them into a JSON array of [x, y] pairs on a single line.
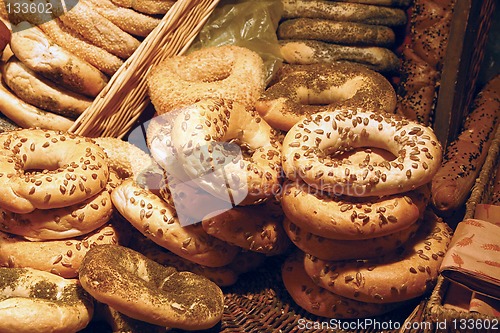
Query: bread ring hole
[[49, 162], [364, 155], [325, 93], [208, 73]]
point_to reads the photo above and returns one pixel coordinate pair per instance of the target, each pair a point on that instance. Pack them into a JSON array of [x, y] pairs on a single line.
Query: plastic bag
[[247, 23]]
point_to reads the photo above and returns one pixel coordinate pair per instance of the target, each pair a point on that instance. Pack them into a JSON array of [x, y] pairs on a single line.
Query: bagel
[[145, 290], [59, 305], [351, 218], [253, 228], [309, 145], [60, 257], [76, 44], [404, 275], [322, 302], [127, 159], [211, 72], [100, 31], [201, 134], [309, 89], [59, 223], [120, 323], [26, 115], [340, 249], [157, 221], [126, 19], [147, 6], [307, 52], [42, 93], [341, 11], [348, 33], [73, 169], [33, 48]]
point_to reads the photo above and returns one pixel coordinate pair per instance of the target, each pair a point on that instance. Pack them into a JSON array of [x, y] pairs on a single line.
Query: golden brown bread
[[423, 58], [465, 156]]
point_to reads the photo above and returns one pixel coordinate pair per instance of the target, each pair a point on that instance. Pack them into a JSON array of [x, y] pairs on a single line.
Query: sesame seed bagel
[[157, 220], [226, 149], [60, 223], [253, 228], [309, 89], [42, 93], [60, 257], [320, 301], [406, 274], [340, 249], [351, 218], [339, 11], [34, 49], [348, 33], [72, 169], [212, 72], [307, 52], [310, 144], [34, 301], [145, 290]]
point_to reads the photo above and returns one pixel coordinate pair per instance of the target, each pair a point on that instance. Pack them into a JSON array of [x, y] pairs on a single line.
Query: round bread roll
[[307, 52], [33, 301], [60, 257], [348, 33], [41, 92], [339, 11], [145, 290], [397, 277], [158, 221], [322, 302], [339, 249]]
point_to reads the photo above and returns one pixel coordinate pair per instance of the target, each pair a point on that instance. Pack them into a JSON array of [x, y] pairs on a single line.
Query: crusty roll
[[40, 92], [43, 56], [465, 156], [422, 57]]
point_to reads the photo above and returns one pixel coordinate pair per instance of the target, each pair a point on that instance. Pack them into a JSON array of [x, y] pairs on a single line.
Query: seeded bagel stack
[[63, 59], [54, 236], [364, 245], [326, 31]]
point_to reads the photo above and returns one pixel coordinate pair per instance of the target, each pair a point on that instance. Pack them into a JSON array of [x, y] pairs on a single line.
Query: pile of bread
[[59, 59], [328, 31]]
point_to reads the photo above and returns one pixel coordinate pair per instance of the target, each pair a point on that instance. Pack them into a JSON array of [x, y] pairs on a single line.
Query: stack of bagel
[[357, 214], [59, 60], [357, 31]]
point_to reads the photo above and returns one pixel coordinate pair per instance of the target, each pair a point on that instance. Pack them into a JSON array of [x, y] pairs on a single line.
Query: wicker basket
[[121, 102], [436, 312]]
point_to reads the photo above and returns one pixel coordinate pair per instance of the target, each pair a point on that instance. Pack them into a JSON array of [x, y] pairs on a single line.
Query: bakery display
[[239, 200]]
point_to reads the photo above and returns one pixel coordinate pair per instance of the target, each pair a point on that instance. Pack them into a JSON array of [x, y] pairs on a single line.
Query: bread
[[465, 156]]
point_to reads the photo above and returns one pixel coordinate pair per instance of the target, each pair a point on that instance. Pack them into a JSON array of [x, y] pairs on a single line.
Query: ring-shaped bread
[[310, 144], [49, 169]]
